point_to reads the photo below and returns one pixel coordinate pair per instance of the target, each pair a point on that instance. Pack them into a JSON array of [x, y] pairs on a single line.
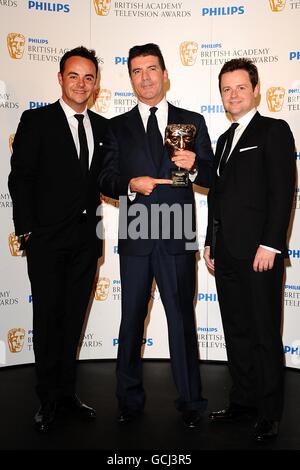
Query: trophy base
[[180, 178]]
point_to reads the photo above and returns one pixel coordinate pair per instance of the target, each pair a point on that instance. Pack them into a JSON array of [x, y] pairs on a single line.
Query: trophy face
[[179, 137]]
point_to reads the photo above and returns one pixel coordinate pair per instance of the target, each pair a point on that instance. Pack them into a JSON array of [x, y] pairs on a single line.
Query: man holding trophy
[[155, 181]]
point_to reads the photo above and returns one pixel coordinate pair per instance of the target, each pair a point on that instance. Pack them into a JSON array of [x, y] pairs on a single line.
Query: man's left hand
[[184, 159], [264, 260]]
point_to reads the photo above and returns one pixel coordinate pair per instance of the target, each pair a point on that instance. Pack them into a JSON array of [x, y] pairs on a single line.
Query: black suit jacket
[[46, 184], [128, 155], [255, 191]]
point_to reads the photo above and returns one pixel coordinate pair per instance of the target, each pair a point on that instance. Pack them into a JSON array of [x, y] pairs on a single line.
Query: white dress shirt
[[161, 115], [73, 124]]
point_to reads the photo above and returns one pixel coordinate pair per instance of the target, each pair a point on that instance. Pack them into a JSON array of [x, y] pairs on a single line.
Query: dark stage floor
[[159, 429]]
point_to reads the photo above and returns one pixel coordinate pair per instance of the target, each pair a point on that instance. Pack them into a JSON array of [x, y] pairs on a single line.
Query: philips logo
[[294, 253], [294, 55], [47, 6], [292, 287], [37, 104], [38, 41], [121, 60], [145, 342], [124, 94], [211, 108], [207, 297], [223, 11], [207, 330], [293, 350]]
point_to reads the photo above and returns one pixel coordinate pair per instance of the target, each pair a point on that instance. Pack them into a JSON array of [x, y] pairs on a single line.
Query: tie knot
[[233, 126], [79, 117], [153, 110]]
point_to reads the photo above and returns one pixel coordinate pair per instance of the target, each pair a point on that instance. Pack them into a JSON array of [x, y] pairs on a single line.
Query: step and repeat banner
[[196, 38]]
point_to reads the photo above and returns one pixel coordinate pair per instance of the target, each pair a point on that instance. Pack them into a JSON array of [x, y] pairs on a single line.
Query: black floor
[[160, 428]]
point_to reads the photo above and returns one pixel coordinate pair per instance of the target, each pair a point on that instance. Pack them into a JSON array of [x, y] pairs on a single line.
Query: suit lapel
[[250, 129], [95, 132], [63, 127], [220, 147]]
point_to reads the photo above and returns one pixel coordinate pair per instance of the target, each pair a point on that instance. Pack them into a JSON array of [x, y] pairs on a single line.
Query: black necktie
[[84, 150], [224, 157], [154, 137]]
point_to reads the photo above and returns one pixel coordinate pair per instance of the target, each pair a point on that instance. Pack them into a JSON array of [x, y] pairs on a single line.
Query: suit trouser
[[250, 304], [175, 278], [61, 281]]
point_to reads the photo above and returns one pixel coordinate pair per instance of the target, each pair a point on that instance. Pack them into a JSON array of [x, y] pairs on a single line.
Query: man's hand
[[210, 263], [184, 159], [264, 260], [146, 184]]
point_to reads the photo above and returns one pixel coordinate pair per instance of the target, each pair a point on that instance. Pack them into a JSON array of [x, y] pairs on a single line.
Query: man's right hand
[[210, 263], [146, 184]]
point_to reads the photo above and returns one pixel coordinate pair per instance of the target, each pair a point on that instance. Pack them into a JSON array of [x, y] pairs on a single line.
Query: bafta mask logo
[[275, 98], [16, 45], [179, 137], [14, 245], [102, 7], [188, 52], [11, 141], [277, 5], [15, 339], [102, 288], [103, 101]]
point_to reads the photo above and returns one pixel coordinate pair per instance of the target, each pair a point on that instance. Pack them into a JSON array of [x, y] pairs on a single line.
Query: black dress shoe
[[45, 416], [265, 429], [192, 418], [233, 413], [128, 415], [74, 405]]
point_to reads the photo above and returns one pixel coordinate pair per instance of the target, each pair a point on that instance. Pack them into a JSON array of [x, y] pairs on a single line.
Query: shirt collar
[[69, 112], [162, 106]]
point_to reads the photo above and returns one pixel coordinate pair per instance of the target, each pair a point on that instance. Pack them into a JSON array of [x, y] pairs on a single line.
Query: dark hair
[[240, 64], [144, 50], [80, 51]]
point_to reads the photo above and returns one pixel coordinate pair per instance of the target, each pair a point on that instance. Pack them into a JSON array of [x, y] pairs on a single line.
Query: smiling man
[[249, 207], [139, 168], [53, 183]]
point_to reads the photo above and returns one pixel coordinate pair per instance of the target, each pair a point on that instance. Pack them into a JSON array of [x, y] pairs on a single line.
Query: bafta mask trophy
[[179, 136]]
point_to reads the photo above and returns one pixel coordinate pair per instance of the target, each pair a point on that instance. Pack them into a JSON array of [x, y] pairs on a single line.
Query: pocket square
[[248, 148]]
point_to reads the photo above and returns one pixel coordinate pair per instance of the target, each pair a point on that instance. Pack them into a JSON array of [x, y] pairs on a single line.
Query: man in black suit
[[248, 216], [141, 176], [53, 184]]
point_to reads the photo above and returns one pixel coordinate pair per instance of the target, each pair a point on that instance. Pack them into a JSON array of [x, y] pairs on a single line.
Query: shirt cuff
[[270, 249], [130, 194], [193, 175]]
